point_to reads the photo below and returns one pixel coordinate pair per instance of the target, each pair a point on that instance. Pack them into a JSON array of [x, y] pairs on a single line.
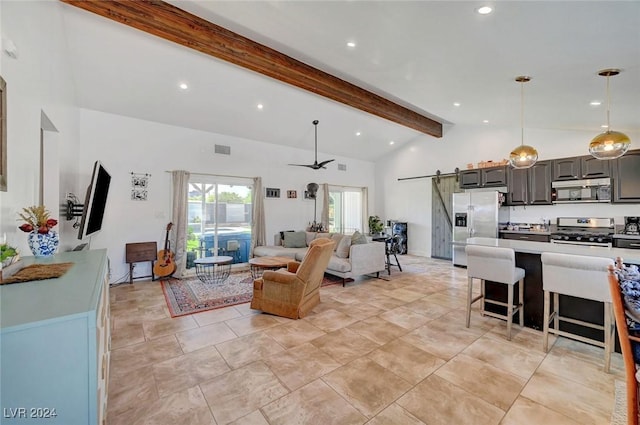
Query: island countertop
[[628, 255]]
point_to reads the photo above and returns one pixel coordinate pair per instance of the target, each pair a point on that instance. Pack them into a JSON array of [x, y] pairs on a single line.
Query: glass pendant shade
[[609, 145], [524, 156]]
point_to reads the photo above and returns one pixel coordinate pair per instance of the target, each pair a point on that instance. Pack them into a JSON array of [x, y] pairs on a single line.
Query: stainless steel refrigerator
[[476, 214]]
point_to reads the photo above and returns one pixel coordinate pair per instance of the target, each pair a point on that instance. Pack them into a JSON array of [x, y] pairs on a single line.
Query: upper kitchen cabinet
[[580, 167], [626, 177], [530, 186], [483, 177]]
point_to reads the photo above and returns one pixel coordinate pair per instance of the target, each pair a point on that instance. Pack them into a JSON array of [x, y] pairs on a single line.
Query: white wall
[[410, 200], [38, 81], [125, 145]]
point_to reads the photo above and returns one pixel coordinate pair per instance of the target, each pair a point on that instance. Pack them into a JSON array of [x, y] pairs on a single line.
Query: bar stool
[[496, 265], [581, 277]]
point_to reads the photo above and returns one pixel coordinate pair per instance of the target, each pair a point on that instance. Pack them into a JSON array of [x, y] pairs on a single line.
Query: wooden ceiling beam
[[171, 23]]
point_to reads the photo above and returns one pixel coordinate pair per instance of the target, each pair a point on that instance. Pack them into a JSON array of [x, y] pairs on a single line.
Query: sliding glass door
[[219, 218], [346, 209]]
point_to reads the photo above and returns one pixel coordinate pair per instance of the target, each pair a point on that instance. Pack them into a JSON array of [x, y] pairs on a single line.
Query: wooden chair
[[625, 344]]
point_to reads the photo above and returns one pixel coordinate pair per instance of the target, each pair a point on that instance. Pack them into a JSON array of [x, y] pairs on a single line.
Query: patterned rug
[[190, 295]]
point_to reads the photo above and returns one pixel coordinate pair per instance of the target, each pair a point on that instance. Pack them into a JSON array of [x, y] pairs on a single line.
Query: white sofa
[[363, 258]]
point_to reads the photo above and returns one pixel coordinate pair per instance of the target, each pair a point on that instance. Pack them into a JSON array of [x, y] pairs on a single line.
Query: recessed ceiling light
[[391, 142], [358, 133], [484, 10], [351, 44], [485, 121], [456, 103], [183, 86], [260, 106], [595, 103]]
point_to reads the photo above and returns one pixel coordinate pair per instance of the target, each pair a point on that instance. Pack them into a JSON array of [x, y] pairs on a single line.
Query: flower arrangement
[[36, 218]]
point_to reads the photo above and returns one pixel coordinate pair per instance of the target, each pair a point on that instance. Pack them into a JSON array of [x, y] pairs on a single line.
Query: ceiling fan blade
[[304, 165], [323, 163]]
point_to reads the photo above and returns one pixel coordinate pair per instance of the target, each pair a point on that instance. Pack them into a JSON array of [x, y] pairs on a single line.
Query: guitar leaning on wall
[[165, 266]]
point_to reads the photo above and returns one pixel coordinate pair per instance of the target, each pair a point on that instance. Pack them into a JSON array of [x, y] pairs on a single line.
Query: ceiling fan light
[[609, 145], [524, 156]]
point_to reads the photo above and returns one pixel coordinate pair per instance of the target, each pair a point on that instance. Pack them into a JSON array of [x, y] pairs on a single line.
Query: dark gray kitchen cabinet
[[483, 177], [580, 167], [626, 177], [530, 186], [566, 168], [593, 168]]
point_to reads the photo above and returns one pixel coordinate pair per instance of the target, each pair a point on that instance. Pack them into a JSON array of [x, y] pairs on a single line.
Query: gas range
[[590, 231]]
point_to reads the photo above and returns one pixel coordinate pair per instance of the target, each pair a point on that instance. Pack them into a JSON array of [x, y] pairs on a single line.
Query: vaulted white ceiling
[[425, 55]]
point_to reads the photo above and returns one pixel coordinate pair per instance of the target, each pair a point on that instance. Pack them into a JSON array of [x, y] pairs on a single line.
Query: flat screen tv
[[95, 201]]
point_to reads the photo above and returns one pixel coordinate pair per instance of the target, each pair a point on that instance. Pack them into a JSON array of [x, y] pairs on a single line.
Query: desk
[[213, 269]]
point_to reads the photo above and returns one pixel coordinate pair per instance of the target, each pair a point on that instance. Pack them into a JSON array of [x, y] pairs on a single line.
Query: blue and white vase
[[43, 244]]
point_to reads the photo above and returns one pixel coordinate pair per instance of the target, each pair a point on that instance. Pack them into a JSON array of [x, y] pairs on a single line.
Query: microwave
[[577, 191]]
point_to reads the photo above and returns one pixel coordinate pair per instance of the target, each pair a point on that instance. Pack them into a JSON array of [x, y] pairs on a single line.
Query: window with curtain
[[346, 209]]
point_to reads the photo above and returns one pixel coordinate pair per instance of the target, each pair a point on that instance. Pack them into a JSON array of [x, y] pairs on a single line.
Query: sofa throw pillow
[[344, 247], [282, 236], [336, 237], [295, 239], [358, 238]]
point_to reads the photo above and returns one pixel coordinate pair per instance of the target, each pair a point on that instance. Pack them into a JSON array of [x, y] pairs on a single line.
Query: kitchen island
[[528, 257]]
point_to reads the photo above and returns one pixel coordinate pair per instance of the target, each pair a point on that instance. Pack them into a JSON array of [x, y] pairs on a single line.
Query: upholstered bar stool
[[582, 277], [496, 265]]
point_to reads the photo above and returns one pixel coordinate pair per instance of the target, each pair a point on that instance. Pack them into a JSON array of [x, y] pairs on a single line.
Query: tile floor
[[392, 351]]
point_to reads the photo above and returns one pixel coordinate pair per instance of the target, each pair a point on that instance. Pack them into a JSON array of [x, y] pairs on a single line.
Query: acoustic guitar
[[165, 266]]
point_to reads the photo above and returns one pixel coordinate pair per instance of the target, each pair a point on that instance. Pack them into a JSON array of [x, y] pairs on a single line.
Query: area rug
[[190, 295]]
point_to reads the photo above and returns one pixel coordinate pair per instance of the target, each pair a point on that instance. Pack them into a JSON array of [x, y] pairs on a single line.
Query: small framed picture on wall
[[292, 194]]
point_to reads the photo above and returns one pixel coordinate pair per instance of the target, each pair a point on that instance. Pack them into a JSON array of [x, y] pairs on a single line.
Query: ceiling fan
[[315, 165]]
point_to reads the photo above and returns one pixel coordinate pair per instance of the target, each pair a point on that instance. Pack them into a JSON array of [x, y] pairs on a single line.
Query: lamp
[[524, 156], [610, 144]]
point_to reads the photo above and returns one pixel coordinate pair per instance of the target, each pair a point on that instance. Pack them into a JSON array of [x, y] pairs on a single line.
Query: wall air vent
[[222, 149], [342, 167]]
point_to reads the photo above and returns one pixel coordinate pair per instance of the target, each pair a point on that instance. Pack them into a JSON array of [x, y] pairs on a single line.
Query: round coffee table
[[260, 264], [213, 269]]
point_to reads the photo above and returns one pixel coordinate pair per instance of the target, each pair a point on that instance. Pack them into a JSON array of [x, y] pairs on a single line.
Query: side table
[[213, 270], [260, 264]]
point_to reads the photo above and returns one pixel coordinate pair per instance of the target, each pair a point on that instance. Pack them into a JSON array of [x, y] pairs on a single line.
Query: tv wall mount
[[73, 209]]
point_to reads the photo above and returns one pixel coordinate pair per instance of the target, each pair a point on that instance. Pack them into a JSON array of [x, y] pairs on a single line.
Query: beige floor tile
[[406, 360], [483, 380], [131, 357], [252, 323], [186, 405], [315, 403], [254, 418], [405, 317], [427, 308], [505, 356], [395, 415], [384, 302], [241, 391], [436, 401], [127, 334], [345, 345], [367, 385], [216, 316], [247, 349], [295, 333], [439, 342], [186, 371], [330, 320], [585, 405], [245, 309], [205, 336], [300, 365], [131, 390], [447, 300], [378, 330], [359, 311], [527, 412], [404, 294], [158, 328]]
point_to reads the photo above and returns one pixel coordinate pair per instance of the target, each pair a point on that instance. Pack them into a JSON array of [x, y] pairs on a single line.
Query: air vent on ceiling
[[342, 167], [222, 149]]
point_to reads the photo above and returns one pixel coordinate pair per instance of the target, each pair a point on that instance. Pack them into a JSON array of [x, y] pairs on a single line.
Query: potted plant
[[375, 225]]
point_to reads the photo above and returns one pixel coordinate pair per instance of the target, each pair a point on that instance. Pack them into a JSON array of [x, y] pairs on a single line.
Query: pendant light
[[524, 156], [610, 144]]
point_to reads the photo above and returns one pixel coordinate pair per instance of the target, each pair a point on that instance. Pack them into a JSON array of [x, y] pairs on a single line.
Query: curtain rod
[[438, 174], [349, 187], [214, 175]]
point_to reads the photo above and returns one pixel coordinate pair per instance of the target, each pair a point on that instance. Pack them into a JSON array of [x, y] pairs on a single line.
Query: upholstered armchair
[[295, 291]]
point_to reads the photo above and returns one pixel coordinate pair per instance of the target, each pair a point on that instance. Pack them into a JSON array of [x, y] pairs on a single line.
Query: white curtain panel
[[258, 228], [180, 186], [365, 208], [324, 217]]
